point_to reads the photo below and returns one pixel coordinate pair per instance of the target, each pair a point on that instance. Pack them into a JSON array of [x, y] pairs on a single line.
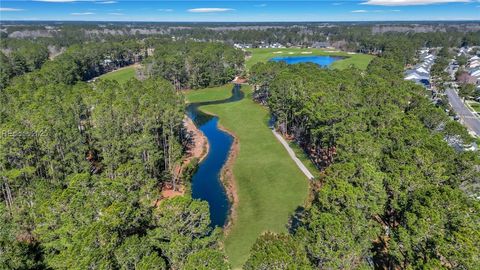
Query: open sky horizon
[[241, 11]]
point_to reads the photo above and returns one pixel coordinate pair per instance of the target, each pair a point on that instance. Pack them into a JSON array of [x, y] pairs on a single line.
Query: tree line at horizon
[[81, 165], [352, 36], [28, 52]]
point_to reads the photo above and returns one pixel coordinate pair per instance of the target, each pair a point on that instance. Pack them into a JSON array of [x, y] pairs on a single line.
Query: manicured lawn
[[208, 94], [262, 55], [270, 185], [121, 75], [302, 155]]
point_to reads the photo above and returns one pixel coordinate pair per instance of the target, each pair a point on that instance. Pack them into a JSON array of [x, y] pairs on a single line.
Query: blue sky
[[240, 11]]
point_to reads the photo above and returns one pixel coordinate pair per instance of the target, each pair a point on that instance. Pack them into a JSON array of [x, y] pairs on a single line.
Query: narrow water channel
[[206, 182]]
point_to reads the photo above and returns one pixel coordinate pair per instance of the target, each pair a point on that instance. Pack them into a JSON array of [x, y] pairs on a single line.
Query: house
[[427, 62], [462, 51], [424, 51], [320, 44], [429, 57], [242, 46], [276, 45], [239, 80], [475, 72], [422, 70], [413, 76], [421, 73], [474, 64], [107, 62], [466, 78], [418, 77]]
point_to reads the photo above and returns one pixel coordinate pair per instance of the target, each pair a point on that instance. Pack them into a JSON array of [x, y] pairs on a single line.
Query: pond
[[321, 60], [206, 182]]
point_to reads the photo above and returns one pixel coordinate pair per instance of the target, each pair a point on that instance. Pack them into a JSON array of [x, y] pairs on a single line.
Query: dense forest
[[18, 57], [82, 165], [393, 194], [78, 62], [195, 65]]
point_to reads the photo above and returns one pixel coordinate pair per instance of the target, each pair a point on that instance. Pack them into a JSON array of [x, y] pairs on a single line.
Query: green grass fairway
[[122, 75], [262, 55], [270, 185]]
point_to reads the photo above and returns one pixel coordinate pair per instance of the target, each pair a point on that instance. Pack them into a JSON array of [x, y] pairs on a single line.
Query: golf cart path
[[299, 163]]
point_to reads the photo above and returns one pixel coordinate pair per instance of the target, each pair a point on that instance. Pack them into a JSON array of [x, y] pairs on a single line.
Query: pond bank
[[197, 149], [269, 185], [212, 181], [229, 182]]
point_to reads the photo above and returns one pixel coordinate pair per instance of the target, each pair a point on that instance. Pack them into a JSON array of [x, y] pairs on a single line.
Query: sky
[[240, 11]]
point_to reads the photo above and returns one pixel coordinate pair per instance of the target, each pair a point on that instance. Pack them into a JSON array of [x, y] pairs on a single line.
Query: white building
[[421, 73]]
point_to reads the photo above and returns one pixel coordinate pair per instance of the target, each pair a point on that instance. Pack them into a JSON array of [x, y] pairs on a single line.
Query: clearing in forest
[[269, 184], [121, 75]]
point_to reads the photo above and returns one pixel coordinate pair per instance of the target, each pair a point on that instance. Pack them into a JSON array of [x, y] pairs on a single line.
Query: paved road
[[466, 116], [300, 165]]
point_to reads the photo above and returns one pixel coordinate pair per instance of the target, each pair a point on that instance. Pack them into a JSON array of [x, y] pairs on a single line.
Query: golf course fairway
[[269, 185]]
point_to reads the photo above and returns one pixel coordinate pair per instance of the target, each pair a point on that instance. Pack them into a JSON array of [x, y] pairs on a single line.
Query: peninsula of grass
[[360, 61], [121, 75], [269, 184]]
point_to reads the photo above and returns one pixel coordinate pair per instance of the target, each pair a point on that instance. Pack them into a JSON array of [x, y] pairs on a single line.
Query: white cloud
[[337, 4], [82, 13], [56, 1], [165, 9], [10, 9], [209, 10], [116, 14], [376, 10], [106, 2], [410, 2]]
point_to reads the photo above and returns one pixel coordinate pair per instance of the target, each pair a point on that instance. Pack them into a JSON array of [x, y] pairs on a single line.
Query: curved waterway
[[206, 182]]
